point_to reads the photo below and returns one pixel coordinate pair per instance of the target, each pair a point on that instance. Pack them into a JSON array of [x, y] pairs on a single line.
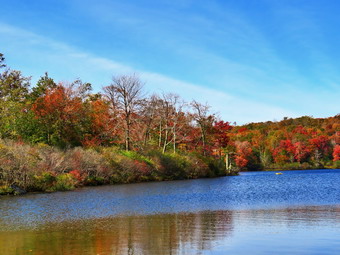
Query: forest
[[59, 136]]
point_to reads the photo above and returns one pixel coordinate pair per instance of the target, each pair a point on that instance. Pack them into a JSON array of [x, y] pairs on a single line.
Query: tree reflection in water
[[151, 234], [306, 230]]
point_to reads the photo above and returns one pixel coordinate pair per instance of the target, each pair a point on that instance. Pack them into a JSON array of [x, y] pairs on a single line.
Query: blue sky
[[250, 60]]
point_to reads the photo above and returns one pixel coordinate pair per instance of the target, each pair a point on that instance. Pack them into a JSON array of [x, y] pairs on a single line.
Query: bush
[[336, 164], [170, 166], [138, 157], [44, 168], [128, 166], [94, 181], [176, 166], [44, 182], [65, 182], [17, 163], [6, 190]]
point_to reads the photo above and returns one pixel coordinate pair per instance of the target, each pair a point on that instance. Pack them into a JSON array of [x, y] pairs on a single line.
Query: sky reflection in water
[[258, 213]]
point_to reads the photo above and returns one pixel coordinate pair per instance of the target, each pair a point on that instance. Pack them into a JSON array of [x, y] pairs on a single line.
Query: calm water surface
[[297, 212]]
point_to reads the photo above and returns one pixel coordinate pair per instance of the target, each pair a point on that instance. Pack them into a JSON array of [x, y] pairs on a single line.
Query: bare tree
[[167, 107], [125, 94], [177, 121], [203, 119], [149, 114]]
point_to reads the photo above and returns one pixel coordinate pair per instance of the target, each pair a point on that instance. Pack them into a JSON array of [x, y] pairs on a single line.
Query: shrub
[[17, 163], [94, 181], [44, 168], [65, 182], [6, 190], [172, 166], [336, 164], [128, 166], [138, 157], [44, 182]]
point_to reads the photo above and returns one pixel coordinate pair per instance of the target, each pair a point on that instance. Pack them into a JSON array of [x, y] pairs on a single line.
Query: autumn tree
[[149, 114], [319, 145], [203, 120], [62, 113], [243, 153], [125, 93], [170, 114], [301, 151], [221, 135], [336, 152], [284, 152], [101, 125]]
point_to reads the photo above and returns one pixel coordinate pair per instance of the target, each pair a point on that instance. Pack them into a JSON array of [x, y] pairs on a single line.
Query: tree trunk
[[127, 134], [227, 163], [174, 141], [160, 135], [165, 138]]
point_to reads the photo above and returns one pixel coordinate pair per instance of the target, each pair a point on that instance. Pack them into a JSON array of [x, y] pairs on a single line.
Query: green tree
[[44, 83], [14, 88], [2, 60]]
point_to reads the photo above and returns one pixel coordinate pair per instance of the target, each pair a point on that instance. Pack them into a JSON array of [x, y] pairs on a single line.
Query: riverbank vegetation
[[45, 168], [57, 136]]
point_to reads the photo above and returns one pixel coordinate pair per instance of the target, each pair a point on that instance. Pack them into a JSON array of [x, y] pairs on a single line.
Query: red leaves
[[301, 151], [142, 167], [336, 152], [56, 101], [300, 130], [284, 152], [58, 105], [221, 133], [100, 115], [76, 174], [287, 145], [243, 153], [241, 161], [91, 142], [320, 142]]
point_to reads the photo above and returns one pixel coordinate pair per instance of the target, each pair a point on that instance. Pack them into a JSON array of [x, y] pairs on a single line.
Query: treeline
[[301, 143], [67, 115], [132, 136], [70, 114], [121, 118]]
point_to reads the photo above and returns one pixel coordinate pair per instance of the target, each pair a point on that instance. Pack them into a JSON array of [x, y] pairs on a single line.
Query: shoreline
[[105, 184], [156, 181]]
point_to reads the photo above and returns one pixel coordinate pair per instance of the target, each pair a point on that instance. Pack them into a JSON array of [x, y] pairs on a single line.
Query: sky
[[250, 60]]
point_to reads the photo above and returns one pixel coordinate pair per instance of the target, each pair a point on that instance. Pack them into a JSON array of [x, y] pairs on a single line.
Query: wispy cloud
[[48, 55], [250, 66]]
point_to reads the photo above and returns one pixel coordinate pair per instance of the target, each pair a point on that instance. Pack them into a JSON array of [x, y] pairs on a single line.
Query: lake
[[297, 212]]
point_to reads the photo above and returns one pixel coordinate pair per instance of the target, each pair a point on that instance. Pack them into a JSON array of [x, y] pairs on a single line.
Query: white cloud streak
[[46, 54]]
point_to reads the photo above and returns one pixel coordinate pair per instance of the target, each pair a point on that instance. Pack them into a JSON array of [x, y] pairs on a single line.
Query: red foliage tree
[[221, 130], [336, 152], [221, 135], [103, 125], [243, 153], [61, 115], [301, 151], [320, 146], [320, 142], [284, 152]]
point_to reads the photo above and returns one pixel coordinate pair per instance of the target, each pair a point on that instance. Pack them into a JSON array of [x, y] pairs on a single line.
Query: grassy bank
[[42, 168]]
